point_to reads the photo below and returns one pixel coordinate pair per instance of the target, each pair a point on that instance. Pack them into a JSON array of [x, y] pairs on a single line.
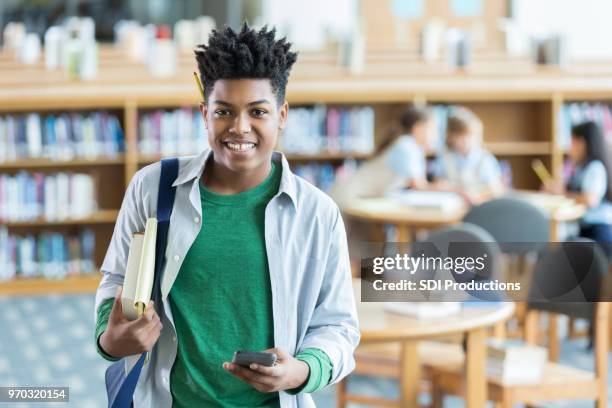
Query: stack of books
[[60, 137], [515, 364], [321, 129], [49, 255], [172, 133], [62, 196]]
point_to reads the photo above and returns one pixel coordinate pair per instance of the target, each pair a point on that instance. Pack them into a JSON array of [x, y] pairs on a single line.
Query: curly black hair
[[246, 54]]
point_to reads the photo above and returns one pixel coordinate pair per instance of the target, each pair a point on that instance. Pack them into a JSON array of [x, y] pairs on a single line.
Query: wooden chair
[[558, 382]]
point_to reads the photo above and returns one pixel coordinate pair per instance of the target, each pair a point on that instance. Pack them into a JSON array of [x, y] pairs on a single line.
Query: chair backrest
[[461, 241], [579, 266], [512, 220]]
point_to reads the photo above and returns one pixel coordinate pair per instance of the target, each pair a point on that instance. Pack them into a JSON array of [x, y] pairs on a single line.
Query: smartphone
[[246, 358]]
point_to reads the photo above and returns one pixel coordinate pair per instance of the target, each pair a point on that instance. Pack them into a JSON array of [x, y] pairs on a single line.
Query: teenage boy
[[256, 257]]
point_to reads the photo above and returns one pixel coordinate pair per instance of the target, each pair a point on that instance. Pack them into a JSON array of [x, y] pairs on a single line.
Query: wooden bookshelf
[[38, 163], [518, 102], [40, 286], [99, 217]]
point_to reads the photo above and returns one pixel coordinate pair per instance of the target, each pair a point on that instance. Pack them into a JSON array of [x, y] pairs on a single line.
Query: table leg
[[410, 375], [476, 380], [554, 230]]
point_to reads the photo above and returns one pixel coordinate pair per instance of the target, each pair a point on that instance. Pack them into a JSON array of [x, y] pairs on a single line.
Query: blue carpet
[[48, 341]]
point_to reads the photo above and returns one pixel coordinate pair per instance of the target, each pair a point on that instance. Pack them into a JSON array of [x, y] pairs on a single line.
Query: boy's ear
[[204, 111], [283, 113]]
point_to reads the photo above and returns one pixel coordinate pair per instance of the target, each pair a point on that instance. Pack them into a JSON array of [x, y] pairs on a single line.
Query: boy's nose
[[242, 125]]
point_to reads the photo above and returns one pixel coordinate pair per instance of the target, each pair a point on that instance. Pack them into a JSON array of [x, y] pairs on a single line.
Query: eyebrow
[[220, 102]]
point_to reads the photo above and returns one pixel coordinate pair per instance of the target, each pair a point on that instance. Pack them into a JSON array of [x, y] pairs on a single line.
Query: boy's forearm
[[320, 370], [101, 322]]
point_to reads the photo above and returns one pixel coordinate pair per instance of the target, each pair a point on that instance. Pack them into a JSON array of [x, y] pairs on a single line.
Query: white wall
[[586, 23], [305, 22]]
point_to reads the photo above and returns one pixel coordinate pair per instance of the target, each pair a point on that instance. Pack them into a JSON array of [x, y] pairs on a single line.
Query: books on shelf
[[56, 197], [60, 137], [577, 112], [320, 128], [323, 175], [515, 364], [171, 133], [48, 255]]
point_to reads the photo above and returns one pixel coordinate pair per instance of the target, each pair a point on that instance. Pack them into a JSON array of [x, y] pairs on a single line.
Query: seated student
[[464, 166], [399, 162], [590, 182]]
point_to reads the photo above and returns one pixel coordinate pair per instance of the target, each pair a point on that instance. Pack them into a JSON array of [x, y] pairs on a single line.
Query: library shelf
[[518, 102], [42, 163], [98, 217], [86, 283]]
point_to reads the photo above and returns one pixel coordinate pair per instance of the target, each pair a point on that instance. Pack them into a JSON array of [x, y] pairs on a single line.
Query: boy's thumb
[[117, 310]]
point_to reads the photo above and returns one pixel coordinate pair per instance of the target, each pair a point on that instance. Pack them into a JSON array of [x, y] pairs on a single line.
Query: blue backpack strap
[[120, 388], [165, 202]]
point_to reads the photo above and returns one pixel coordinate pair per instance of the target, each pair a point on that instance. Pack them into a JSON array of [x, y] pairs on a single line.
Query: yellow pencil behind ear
[[199, 83]]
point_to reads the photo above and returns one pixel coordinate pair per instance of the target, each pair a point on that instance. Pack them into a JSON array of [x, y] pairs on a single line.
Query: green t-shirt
[[221, 302]]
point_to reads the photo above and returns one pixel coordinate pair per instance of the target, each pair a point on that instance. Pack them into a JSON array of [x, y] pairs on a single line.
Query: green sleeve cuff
[[101, 322], [320, 370]]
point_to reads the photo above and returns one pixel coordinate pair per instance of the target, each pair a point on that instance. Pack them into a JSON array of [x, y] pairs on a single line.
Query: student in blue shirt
[[591, 182], [399, 161], [464, 166]]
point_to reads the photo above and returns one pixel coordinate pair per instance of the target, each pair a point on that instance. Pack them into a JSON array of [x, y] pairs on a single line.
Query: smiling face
[[243, 121]]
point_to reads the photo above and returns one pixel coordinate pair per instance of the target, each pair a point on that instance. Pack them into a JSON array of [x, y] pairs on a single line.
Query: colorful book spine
[[321, 129], [323, 175], [48, 255], [56, 197], [178, 132], [60, 137]]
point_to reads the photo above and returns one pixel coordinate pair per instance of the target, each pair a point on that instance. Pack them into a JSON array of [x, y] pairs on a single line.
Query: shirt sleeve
[[333, 326], [490, 172], [595, 180], [406, 159], [320, 370], [101, 323], [438, 168]]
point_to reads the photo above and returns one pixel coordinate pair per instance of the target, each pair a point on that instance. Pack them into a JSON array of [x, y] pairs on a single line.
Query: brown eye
[[258, 112], [222, 112]]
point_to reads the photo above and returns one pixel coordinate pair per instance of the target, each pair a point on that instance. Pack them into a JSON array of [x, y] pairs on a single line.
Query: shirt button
[[174, 338], [280, 207], [165, 379], [196, 220], [176, 258]]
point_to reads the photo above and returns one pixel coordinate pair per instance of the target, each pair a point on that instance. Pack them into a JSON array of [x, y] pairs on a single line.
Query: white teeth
[[241, 147]]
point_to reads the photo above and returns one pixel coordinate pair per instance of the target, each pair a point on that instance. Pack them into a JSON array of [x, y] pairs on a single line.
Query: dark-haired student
[[256, 258], [399, 162], [591, 182]]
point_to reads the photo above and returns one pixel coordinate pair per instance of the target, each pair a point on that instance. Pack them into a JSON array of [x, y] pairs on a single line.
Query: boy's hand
[[288, 373], [124, 337]]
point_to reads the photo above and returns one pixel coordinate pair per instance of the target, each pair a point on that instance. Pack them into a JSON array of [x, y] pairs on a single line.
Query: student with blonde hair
[[464, 166]]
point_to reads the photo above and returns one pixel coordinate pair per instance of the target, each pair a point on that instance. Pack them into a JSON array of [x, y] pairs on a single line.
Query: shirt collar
[[194, 166]]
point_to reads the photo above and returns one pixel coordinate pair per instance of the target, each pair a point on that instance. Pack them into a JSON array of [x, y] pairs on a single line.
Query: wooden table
[[378, 325], [406, 219]]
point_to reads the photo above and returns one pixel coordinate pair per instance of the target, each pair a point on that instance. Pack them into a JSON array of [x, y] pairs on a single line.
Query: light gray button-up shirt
[[312, 296]]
